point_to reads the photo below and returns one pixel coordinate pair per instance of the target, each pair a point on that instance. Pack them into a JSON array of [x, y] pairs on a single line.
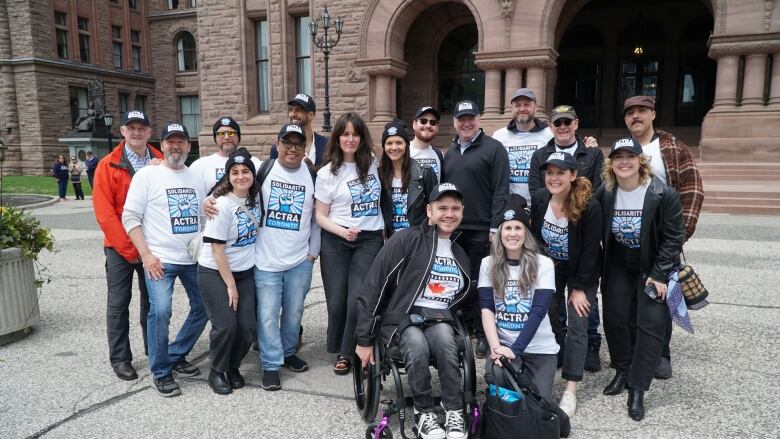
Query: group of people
[[65, 172], [516, 230]]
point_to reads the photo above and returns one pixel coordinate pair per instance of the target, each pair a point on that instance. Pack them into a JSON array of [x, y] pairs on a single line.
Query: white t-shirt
[[521, 146], [288, 199], [211, 168], [233, 226], [653, 151], [400, 207], [170, 202], [427, 157], [555, 233], [353, 203], [445, 280], [513, 310], [627, 218]]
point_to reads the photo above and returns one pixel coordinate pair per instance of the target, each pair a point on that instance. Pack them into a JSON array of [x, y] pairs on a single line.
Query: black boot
[[616, 386], [219, 384], [636, 404]]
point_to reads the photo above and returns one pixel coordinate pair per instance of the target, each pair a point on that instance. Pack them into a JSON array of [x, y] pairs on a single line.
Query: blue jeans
[[280, 292], [62, 186], [162, 356]]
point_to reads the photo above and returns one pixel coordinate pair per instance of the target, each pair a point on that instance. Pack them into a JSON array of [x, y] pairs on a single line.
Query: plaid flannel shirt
[[682, 175]]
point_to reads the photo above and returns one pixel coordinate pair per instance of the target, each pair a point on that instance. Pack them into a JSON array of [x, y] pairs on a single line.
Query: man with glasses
[[287, 245], [301, 110], [426, 128], [209, 169]]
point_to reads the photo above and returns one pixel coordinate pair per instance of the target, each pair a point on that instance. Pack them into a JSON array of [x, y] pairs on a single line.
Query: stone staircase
[[741, 188]]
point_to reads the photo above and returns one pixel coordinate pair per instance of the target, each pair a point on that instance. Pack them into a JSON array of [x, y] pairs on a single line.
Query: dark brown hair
[[224, 187], [335, 155], [386, 169]]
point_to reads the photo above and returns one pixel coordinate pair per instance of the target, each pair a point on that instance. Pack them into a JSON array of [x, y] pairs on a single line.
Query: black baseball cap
[[443, 189], [563, 112], [523, 93], [135, 116], [463, 108], [427, 109], [303, 100], [171, 129], [563, 160], [290, 129], [627, 143]]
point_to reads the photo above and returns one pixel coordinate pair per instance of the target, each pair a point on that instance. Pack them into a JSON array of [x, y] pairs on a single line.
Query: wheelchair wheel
[[469, 366], [366, 384], [385, 434]]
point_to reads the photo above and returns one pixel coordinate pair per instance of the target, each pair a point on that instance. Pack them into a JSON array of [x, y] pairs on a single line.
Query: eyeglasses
[[228, 133], [560, 122], [293, 146], [426, 121]]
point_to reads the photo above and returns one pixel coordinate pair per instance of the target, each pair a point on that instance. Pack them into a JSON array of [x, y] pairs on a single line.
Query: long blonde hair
[[610, 180], [499, 269]]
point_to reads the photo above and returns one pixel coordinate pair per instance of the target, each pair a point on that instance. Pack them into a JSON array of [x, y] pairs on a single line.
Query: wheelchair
[[368, 385]]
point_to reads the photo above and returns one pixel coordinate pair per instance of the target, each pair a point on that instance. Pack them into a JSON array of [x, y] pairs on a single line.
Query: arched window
[[187, 52], [459, 77]]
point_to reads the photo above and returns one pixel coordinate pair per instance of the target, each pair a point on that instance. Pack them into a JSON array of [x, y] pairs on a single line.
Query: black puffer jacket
[[420, 187], [662, 232], [398, 276]]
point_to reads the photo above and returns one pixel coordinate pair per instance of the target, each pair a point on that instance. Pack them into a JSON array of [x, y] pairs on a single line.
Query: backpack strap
[[262, 174]]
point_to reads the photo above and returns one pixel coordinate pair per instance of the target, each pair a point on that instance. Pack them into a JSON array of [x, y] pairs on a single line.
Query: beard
[[175, 162], [525, 118]]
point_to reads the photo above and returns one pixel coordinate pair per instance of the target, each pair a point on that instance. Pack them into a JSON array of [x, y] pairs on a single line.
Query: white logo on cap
[[225, 121], [293, 128], [556, 156], [175, 127], [302, 97], [392, 131], [509, 214], [465, 106], [424, 109], [136, 114], [238, 159], [624, 143], [447, 187]]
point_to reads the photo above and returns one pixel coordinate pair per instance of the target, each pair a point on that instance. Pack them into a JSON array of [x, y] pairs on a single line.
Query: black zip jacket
[[482, 175], [662, 232], [591, 164], [584, 240], [397, 277], [420, 187]]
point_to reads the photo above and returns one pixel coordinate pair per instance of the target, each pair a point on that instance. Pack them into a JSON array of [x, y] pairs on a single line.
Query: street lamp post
[[108, 120], [3, 149], [326, 44]]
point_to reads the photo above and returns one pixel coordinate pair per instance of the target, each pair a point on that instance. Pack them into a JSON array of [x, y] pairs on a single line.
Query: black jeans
[[344, 266], [232, 332], [476, 244], [119, 277], [91, 178], [77, 189], [635, 325]]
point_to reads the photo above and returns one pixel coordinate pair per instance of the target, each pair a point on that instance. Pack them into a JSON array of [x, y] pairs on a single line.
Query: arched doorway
[[644, 51]]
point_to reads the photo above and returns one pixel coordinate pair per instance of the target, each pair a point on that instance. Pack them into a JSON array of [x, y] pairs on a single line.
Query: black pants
[[91, 178], [476, 244], [232, 332], [634, 324], [119, 277], [78, 190], [344, 266]]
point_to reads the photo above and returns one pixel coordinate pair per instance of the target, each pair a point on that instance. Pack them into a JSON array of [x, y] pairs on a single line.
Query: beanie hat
[[226, 121], [515, 209], [396, 127], [240, 156]]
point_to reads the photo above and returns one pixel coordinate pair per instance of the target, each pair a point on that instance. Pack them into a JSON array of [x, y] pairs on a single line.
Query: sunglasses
[[426, 121], [560, 122], [293, 146], [228, 133]]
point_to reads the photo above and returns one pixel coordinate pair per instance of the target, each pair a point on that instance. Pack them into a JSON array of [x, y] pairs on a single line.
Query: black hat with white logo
[[515, 210], [172, 129], [291, 129], [240, 156], [627, 143], [135, 116], [303, 100], [427, 109], [395, 128], [226, 121], [463, 108], [443, 189], [563, 160]]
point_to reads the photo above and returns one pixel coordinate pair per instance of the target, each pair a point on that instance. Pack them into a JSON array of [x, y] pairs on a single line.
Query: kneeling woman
[[225, 271], [516, 285], [566, 220], [643, 235], [406, 185]]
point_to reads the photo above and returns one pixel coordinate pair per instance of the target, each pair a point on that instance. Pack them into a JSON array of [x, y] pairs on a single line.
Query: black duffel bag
[[533, 417]]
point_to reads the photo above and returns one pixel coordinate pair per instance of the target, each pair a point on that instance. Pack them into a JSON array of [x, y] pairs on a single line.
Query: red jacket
[[112, 180]]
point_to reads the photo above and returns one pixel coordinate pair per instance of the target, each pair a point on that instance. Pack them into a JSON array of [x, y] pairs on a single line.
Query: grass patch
[[38, 184]]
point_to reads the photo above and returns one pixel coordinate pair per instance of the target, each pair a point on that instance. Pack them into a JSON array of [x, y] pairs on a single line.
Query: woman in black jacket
[[566, 220], [643, 235], [406, 185]]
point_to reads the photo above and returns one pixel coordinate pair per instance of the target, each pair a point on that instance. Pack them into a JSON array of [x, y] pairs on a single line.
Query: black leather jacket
[[591, 163], [420, 187], [398, 276], [662, 233]]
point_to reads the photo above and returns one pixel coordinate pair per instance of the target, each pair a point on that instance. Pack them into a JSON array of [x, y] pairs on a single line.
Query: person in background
[[61, 172], [91, 164], [76, 168]]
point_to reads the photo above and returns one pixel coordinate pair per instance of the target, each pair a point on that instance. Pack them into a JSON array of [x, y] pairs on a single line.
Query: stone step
[[742, 210], [740, 201], [713, 176]]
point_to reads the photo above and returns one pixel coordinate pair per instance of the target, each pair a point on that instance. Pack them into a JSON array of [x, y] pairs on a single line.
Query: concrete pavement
[[57, 382]]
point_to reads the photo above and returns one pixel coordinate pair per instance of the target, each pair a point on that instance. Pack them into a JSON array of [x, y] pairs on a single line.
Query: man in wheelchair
[[415, 281]]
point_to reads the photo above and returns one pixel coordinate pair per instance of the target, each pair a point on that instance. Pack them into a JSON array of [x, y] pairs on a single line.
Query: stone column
[[753, 83], [774, 88], [537, 81], [726, 83], [382, 110], [514, 78], [493, 104]]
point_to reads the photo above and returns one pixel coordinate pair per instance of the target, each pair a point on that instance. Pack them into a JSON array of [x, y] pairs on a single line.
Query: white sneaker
[[428, 426], [456, 427], [568, 403]]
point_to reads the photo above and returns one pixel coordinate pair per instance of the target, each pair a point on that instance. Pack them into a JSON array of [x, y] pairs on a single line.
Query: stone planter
[[18, 295]]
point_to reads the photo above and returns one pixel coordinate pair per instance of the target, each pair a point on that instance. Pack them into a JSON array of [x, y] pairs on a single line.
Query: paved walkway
[[56, 382]]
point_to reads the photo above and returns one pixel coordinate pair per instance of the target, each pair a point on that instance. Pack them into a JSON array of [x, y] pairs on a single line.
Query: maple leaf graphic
[[436, 288]]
